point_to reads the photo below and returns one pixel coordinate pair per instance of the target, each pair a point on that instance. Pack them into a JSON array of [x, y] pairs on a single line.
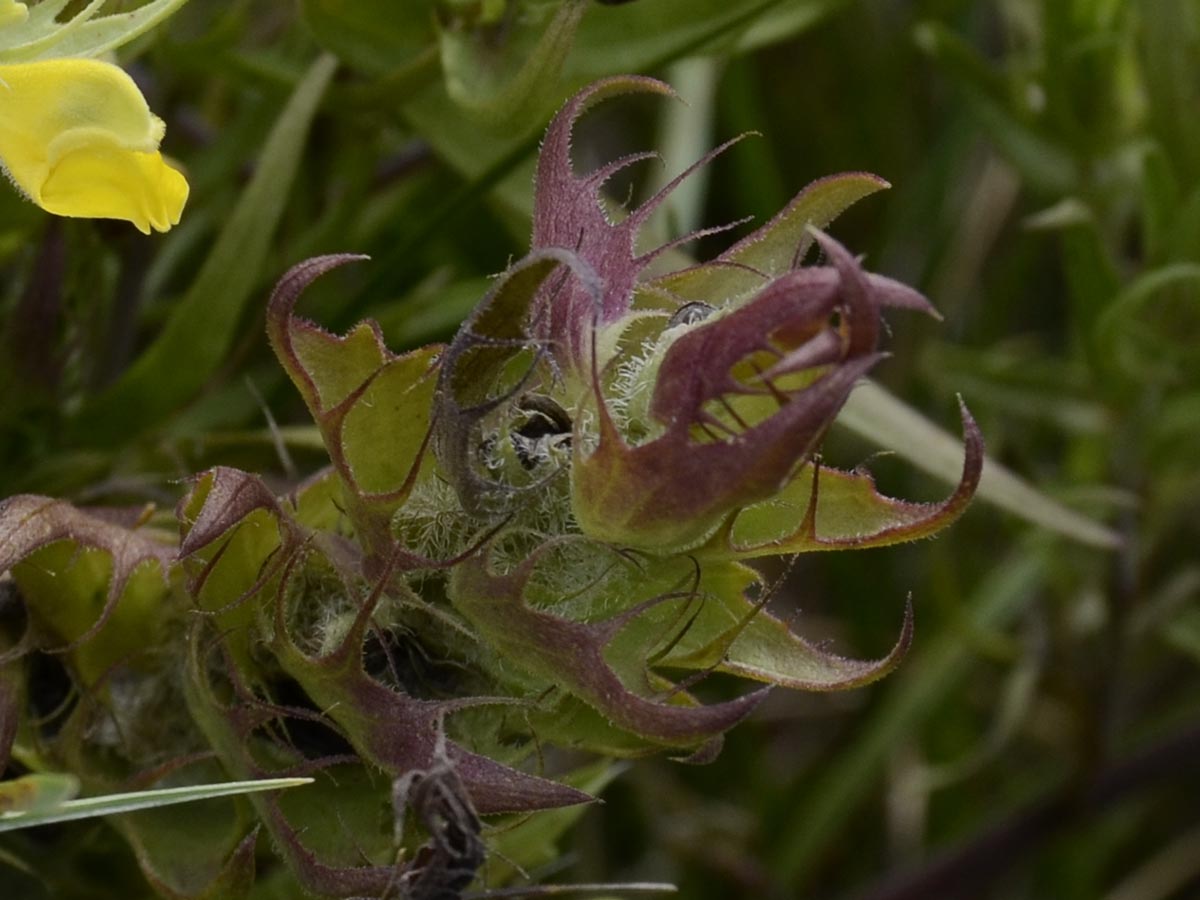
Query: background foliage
[[1042, 738]]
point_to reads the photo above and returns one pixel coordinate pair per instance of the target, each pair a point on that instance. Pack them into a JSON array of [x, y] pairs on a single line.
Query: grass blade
[[112, 804]]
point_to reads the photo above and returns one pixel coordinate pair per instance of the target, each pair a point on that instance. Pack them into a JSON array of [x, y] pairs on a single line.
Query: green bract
[[530, 538]]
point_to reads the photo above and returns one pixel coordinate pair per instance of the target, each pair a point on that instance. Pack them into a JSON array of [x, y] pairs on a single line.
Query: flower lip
[[80, 140]]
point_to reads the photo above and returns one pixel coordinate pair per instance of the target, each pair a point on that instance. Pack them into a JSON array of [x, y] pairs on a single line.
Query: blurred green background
[[1043, 738]]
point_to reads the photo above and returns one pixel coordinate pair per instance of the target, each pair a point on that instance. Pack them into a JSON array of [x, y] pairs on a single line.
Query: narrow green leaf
[[1035, 153], [876, 415], [102, 35], [112, 804], [1016, 698], [376, 36], [1168, 36], [512, 81], [783, 21], [40, 36], [644, 36], [1092, 277], [204, 324], [637, 37], [1160, 199], [83, 34], [1142, 354]]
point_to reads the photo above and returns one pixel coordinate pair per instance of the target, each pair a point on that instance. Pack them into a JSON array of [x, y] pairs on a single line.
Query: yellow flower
[[77, 137]]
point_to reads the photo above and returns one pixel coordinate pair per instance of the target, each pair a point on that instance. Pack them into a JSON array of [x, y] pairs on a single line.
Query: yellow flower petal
[[77, 137], [100, 182]]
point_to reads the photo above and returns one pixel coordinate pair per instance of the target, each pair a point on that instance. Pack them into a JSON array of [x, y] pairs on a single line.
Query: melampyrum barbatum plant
[[532, 538]]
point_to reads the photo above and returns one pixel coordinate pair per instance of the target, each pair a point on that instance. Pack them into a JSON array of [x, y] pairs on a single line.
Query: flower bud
[[738, 402]]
